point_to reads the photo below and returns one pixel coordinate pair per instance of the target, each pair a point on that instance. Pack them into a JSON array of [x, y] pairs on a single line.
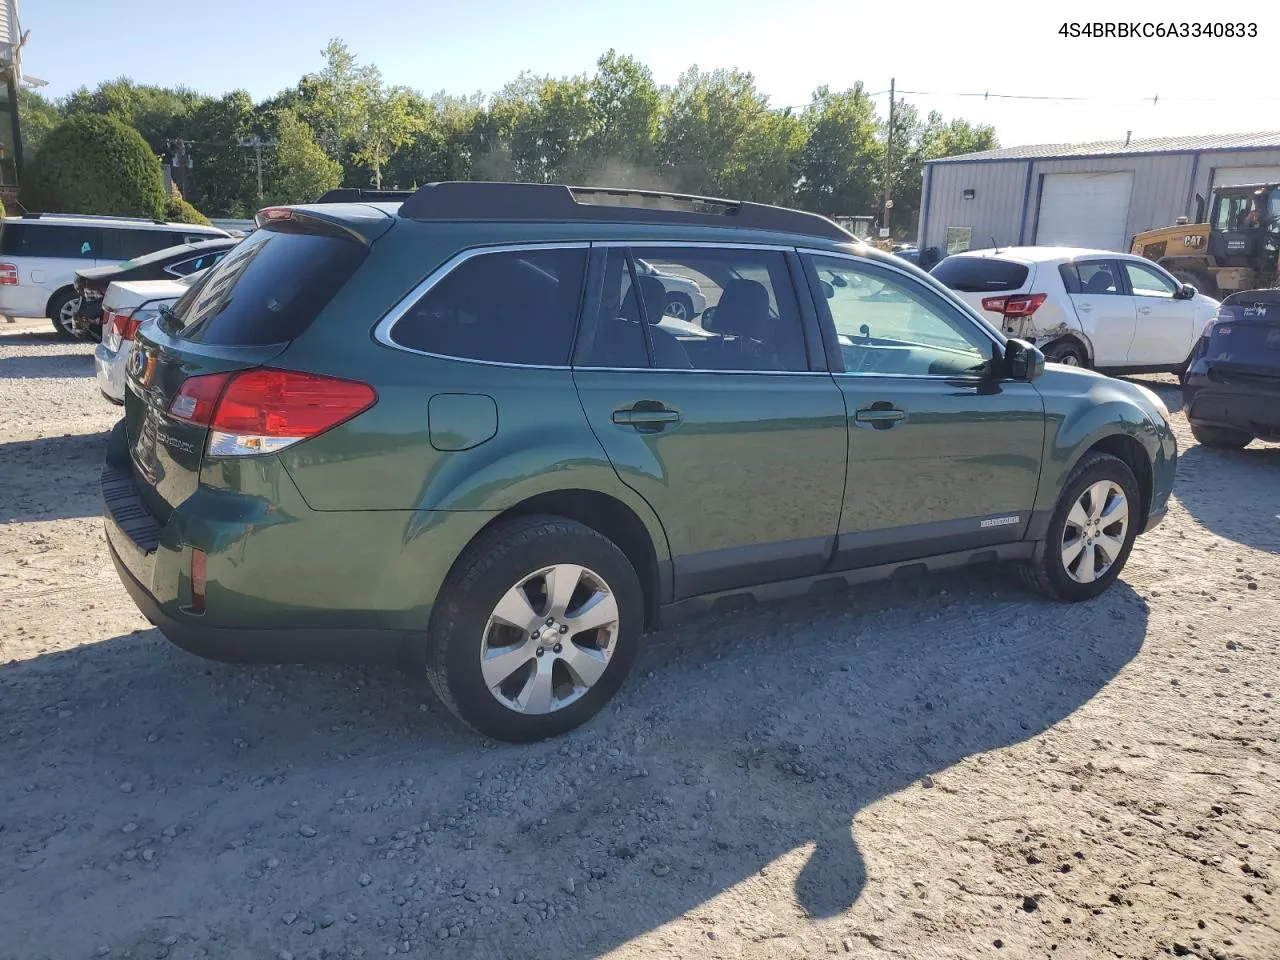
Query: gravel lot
[[944, 768]]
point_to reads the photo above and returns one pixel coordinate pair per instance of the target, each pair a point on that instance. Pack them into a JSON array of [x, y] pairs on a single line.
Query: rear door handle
[[881, 418], [1084, 306], [1144, 310], [646, 416]]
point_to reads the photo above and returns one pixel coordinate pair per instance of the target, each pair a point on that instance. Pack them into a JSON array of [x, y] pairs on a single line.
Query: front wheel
[[1223, 438], [1091, 532], [535, 629], [62, 311], [679, 306]]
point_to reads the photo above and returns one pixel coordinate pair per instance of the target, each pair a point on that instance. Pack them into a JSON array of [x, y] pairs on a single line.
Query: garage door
[[1239, 176], [1084, 210]]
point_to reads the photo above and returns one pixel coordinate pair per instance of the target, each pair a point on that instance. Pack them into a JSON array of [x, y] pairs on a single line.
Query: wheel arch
[[57, 293], [1127, 449], [1074, 338], [615, 520]]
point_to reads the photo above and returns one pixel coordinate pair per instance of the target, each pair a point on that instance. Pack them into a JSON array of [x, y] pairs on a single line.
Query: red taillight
[[1014, 307], [261, 411], [275, 213], [198, 558], [8, 274], [123, 324]]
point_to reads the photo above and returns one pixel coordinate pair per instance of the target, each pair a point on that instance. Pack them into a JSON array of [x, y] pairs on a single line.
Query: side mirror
[[828, 291], [1186, 292], [1022, 361], [838, 280]]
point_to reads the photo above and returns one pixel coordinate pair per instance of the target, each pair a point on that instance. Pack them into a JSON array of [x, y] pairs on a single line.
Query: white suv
[[41, 252], [1093, 308]]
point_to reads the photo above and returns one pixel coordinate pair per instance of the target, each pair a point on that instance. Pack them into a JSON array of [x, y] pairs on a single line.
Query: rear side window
[[270, 287], [507, 307], [980, 274], [68, 242], [1091, 277], [126, 244]]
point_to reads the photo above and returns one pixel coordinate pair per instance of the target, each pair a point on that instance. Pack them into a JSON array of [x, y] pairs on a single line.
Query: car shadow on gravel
[[738, 740], [1233, 493], [51, 478], [50, 366]]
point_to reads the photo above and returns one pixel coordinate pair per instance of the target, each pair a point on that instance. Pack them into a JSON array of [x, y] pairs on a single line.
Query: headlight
[[1157, 404]]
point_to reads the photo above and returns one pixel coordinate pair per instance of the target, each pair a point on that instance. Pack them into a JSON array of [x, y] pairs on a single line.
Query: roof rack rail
[[361, 195], [478, 200], [91, 216]]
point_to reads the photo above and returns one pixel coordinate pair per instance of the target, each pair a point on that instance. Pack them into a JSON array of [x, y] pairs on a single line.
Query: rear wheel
[[1066, 352], [535, 629], [679, 306], [1091, 532], [1222, 437], [62, 311]]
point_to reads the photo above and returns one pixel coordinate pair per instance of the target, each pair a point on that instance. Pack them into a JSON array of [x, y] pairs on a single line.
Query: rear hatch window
[[269, 288], [981, 274], [1244, 343]]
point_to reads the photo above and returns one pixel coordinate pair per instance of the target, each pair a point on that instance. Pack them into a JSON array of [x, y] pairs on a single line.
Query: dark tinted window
[[1091, 277], [617, 337], [511, 307], [184, 267], [122, 243], [270, 287], [980, 274], [69, 241]]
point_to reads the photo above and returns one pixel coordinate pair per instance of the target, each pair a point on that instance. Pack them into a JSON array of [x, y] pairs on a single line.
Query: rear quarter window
[[981, 274], [510, 307], [270, 287]]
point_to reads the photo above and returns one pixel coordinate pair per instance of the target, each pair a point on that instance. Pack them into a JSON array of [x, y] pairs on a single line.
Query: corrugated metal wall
[[1003, 209]]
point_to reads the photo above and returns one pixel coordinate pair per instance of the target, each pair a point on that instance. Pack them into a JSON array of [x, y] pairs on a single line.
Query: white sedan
[[124, 308], [1094, 308]]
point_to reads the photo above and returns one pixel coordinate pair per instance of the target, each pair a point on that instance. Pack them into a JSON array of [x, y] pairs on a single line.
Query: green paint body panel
[[763, 477]]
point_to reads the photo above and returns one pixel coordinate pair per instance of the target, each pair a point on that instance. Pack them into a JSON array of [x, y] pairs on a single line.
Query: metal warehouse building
[[1084, 194]]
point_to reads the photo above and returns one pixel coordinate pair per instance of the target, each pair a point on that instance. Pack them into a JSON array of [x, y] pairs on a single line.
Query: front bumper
[[1253, 408]]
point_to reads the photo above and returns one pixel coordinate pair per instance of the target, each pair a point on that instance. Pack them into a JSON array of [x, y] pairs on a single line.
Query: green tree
[[95, 164], [840, 164], [300, 170], [221, 179], [390, 122], [158, 113], [177, 210], [36, 117], [624, 105]]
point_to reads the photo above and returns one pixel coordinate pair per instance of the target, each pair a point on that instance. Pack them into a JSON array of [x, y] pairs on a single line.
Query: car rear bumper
[[1250, 407], [285, 584], [109, 367]]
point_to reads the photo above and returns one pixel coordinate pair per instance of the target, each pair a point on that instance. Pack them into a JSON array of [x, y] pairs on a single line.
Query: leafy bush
[[95, 164], [177, 210]]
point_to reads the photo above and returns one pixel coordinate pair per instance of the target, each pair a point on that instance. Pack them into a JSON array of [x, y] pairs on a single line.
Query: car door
[[724, 422], [1165, 325], [943, 456], [1106, 314]]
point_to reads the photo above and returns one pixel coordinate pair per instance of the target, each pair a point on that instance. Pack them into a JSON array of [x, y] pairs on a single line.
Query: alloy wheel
[[549, 639], [1095, 531]]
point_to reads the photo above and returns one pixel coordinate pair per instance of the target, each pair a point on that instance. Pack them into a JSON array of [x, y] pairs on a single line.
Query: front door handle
[[1144, 310], [879, 417], [647, 416], [1084, 306]]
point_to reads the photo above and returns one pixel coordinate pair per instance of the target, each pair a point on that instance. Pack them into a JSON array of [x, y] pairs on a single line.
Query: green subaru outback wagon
[[494, 432]]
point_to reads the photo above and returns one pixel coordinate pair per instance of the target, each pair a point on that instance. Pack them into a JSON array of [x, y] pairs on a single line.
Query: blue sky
[[938, 48]]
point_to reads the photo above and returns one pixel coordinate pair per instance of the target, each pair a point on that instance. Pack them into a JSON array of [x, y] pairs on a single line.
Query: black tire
[[1067, 352], [1203, 282], [679, 306], [501, 557], [1045, 572], [58, 304], [1223, 438]]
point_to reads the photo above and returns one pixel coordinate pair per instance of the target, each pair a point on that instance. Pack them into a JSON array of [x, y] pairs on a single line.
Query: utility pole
[[888, 167], [181, 161], [257, 143]]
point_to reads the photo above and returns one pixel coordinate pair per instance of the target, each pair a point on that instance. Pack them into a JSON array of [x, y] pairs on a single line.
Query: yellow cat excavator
[[1235, 249]]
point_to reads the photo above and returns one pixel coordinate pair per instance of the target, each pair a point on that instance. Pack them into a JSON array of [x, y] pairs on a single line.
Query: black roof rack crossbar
[[476, 200], [361, 195]]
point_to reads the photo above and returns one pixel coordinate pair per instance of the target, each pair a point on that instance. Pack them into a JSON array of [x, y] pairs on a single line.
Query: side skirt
[[672, 613]]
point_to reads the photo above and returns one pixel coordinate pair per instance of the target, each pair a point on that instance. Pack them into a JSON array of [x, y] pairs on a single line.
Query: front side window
[[516, 306], [1091, 278], [890, 324], [698, 308], [185, 267], [1230, 213], [1146, 282]]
